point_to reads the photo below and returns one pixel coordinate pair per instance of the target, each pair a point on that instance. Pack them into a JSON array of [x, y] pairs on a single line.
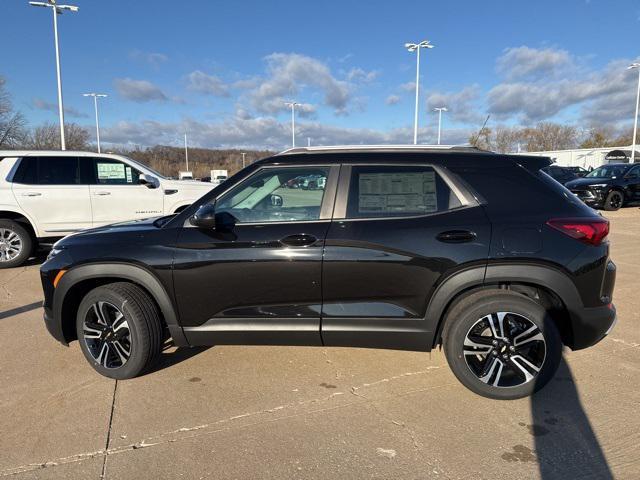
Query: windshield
[[608, 171], [147, 167]]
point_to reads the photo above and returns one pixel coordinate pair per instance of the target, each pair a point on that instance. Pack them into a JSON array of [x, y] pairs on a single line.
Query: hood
[[585, 182], [188, 185], [132, 226]]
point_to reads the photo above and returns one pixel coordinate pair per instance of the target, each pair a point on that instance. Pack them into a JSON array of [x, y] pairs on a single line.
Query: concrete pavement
[[305, 412]]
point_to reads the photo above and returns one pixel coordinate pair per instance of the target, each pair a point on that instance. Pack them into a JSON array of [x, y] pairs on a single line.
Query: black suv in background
[[560, 174], [404, 248], [609, 186]]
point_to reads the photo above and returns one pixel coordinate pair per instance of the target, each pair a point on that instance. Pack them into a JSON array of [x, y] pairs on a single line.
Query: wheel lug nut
[[495, 342], [512, 348], [495, 354]]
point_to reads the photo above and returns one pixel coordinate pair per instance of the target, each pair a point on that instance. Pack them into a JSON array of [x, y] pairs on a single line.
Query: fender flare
[[543, 276], [135, 274]]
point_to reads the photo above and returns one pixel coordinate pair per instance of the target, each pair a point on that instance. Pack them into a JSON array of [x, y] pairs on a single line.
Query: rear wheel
[[501, 345], [613, 201], [119, 330], [15, 244]]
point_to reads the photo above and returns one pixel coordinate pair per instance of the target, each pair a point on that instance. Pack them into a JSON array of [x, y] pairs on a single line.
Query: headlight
[[54, 251]]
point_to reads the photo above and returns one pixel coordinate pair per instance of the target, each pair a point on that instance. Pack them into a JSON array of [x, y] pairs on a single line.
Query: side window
[[282, 194], [114, 172], [634, 172], [48, 171], [388, 191]]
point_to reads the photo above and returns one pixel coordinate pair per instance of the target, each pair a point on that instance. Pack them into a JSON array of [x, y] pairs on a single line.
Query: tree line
[[546, 136]]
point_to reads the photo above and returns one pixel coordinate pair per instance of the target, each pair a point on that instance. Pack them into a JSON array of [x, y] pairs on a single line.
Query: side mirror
[[276, 201], [205, 217], [148, 181]]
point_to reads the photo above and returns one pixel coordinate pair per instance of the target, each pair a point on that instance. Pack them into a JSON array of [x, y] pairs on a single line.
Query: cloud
[[151, 58], [408, 87], [392, 100], [461, 105], [139, 90], [200, 82], [264, 133], [288, 74], [523, 62], [541, 99], [359, 75], [41, 104]]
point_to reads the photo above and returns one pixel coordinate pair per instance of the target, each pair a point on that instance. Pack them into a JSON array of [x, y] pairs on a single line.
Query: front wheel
[[613, 201], [501, 345], [119, 330]]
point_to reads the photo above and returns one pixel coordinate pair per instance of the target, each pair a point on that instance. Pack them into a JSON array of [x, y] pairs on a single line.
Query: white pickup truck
[[46, 195]]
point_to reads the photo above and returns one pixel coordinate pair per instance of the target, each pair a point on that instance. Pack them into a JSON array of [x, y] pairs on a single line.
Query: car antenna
[[475, 140]]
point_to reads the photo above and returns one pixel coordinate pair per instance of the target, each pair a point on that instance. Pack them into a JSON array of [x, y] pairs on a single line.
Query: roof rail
[[372, 148]]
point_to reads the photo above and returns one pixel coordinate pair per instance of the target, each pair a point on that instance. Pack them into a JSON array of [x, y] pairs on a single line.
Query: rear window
[[48, 171], [396, 191]]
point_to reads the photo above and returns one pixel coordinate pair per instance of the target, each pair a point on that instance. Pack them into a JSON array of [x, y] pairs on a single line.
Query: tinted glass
[[387, 191], [48, 171], [114, 172], [277, 195], [608, 171]]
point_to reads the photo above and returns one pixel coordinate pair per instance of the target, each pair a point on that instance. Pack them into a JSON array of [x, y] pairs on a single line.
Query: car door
[[54, 192], [397, 231], [117, 195], [256, 277], [632, 179]]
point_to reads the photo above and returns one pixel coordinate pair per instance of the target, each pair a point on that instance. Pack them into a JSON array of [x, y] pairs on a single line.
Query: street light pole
[[416, 47], [243, 157], [186, 152], [293, 122], [440, 110], [635, 119], [95, 106], [57, 10]]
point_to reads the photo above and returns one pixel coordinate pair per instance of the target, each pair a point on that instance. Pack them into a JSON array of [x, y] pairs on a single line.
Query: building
[[588, 157]]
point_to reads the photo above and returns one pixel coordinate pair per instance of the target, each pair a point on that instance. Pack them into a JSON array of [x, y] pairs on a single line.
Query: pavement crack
[[325, 352], [108, 440]]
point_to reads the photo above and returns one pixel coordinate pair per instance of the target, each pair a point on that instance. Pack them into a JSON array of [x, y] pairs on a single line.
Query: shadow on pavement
[[565, 444], [172, 356], [19, 310]]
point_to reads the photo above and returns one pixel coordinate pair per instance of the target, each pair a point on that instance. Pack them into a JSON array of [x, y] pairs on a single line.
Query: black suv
[[609, 186], [404, 248]]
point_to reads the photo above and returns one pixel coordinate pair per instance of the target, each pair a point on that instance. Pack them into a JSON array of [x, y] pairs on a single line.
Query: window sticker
[[129, 177], [410, 192], [111, 171]]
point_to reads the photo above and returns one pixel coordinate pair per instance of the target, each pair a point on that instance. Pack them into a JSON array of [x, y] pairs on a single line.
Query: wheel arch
[[547, 285], [22, 219], [78, 281]]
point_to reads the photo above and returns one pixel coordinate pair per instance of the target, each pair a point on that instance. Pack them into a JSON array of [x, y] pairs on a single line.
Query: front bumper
[[590, 197], [53, 327]]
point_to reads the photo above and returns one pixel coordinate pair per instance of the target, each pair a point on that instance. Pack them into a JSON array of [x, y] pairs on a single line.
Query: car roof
[[441, 154], [54, 153]]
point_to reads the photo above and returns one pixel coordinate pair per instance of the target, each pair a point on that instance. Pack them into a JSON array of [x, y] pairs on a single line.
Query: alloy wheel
[[10, 245], [107, 335], [505, 349], [616, 200]]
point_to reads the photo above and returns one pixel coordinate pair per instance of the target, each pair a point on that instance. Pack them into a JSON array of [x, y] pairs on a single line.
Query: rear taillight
[[588, 230]]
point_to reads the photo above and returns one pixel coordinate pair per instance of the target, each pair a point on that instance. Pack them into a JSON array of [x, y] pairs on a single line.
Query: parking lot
[[305, 412]]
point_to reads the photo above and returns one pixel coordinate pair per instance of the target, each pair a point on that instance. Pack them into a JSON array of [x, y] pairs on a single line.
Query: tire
[[133, 341], [614, 201], [480, 372], [12, 236]]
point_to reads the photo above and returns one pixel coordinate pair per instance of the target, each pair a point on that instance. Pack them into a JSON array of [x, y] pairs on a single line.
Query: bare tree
[[507, 139], [11, 122], [550, 136], [596, 137], [482, 139], [47, 137]]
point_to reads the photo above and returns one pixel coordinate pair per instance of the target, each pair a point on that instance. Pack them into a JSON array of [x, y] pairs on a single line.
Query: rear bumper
[[590, 325]]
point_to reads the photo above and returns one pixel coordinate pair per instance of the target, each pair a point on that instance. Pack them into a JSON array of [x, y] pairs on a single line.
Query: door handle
[[456, 236], [102, 193], [299, 240], [31, 194]]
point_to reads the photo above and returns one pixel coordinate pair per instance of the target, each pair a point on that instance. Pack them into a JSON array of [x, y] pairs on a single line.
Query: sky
[[222, 71]]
